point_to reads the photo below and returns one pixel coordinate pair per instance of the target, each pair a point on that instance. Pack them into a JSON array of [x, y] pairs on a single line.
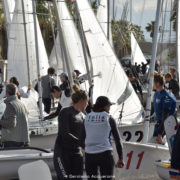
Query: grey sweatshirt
[[14, 121]]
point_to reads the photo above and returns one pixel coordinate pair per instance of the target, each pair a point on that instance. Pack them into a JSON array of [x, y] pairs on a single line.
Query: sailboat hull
[[139, 160], [11, 160], [165, 172]]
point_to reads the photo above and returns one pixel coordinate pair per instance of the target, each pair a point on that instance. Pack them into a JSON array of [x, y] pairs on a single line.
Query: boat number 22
[[128, 135], [130, 155]]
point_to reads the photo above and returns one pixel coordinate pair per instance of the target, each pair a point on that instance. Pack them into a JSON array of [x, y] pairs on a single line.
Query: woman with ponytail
[[95, 137], [68, 159]]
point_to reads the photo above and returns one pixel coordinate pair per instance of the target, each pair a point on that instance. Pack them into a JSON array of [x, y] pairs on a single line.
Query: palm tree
[[150, 28], [121, 32]]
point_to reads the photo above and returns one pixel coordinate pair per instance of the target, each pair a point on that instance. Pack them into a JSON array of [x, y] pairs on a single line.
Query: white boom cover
[[114, 82], [136, 53], [17, 61], [102, 18], [72, 39]]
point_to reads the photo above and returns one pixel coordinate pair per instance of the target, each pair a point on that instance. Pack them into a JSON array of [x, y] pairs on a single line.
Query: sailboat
[[163, 166], [138, 157], [136, 52], [43, 133], [12, 159]]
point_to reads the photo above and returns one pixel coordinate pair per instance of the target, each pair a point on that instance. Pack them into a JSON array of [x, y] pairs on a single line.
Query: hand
[[120, 163], [159, 139]]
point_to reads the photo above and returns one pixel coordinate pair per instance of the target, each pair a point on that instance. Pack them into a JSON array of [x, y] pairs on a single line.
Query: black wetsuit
[[96, 132], [68, 159], [175, 159], [55, 114]]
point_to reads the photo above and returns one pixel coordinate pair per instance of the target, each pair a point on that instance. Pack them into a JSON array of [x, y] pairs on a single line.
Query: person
[[144, 68], [136, 85], [172, 84], [173, 73], [78, 73], [47, 82], [95, 137], [75, 80], [14, 123], [164, 106], [20, 92], [65, 89], [175, 157], [68, 159], [56, 93]]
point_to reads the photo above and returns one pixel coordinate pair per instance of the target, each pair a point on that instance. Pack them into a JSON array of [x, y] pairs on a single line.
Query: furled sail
[[114, 82], [17, 61], [102, 18], [136, 53]]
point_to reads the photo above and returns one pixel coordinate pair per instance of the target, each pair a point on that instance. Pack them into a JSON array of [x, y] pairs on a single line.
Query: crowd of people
[[79, 126], [77, 129]]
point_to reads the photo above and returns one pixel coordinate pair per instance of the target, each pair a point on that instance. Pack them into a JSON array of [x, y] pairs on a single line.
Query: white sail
[[102, 18], [55, 60], [136, 53], [9, 6], [72, 40], [114, 82], [17, 61]]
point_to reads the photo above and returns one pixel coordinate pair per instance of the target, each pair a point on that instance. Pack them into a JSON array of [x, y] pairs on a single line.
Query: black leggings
[[47, 104], [68, 165], [104, 161]]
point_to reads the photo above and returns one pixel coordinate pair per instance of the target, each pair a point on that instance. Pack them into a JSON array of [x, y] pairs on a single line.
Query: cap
[[103, 101], [77, 72], [64, 74]]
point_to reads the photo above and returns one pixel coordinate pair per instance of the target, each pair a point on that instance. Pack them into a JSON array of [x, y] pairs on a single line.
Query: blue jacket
[[164, 106]]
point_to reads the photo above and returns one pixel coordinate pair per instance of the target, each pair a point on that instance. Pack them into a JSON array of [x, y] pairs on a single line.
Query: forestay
[[136, 53], [114, 82], [17, 61], [102, 18]]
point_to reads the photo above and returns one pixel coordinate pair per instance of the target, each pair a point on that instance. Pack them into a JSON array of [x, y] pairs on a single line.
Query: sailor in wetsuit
[[95, 137], [68, 159], [175, 157], [164, 106], [56, 93]]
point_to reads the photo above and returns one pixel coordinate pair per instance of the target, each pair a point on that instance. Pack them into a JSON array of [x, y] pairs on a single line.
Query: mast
[[113, 9], [108, 18], [152, 68], [37, 59], [83, 43], [178, 38], [131, 11], [26, 42], [61, 39]]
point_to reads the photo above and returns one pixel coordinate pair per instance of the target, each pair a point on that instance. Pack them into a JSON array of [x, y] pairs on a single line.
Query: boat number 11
[[130, 155]]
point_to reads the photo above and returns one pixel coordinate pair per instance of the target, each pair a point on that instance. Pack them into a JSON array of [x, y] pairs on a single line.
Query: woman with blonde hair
[[68, 159]]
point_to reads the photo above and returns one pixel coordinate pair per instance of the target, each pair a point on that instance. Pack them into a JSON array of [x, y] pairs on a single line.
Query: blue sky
[[143, 12]]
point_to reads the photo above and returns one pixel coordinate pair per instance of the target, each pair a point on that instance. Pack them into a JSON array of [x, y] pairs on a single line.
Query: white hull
[[134, 132], [45, 142], [139, 160], [11, 160], [165, 172]]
